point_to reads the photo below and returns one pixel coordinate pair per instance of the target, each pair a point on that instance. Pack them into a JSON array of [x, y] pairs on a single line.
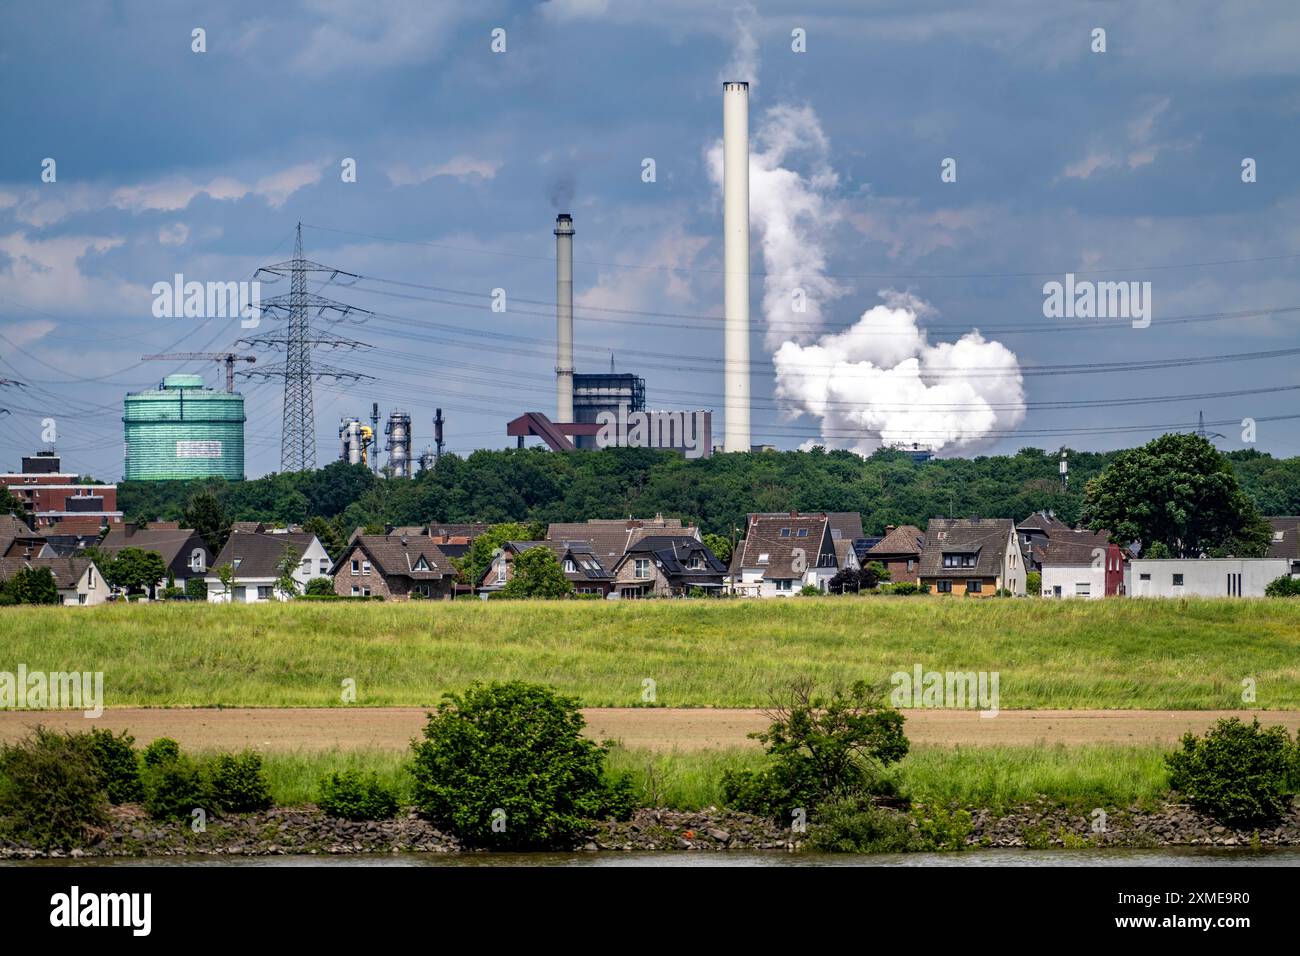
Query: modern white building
[[1204, 577]]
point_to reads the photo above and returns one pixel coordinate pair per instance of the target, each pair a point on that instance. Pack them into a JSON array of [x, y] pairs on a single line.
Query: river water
[[1167, 856]]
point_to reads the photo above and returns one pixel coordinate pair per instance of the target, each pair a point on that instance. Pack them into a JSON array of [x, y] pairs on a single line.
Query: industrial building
[[182, 429], [58, 500], [593, 394]]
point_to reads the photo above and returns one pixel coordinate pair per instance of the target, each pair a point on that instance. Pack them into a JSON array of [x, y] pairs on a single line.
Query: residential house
[[972, 556], [1035, 532], [667, 565], [183, 550], [900, 552], [609, 539], [19, 541], [78, 579], [1206, 577], [1081, 564], [781, 554], [1285, 542], [581, 567], [394, 567], [256, 559]]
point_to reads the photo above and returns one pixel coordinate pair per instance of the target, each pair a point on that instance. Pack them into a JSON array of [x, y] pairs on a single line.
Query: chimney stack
[[735, 236], [564, 317]]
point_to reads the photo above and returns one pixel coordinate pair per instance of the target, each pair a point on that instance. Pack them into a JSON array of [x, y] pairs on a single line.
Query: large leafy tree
[[206, 515], [1176, 495], [135, 569], [537, 574], [474, 563]]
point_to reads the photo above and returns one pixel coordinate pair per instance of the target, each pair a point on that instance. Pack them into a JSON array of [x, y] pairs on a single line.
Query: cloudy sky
[[924, 315]]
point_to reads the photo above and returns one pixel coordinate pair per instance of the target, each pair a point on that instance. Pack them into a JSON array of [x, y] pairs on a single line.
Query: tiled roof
[[610, 539], [259, 554], [67, 571], [390, 557], [1041, 521], [779, 537], [673, 551], [906, 539], [844, 524], [1069, 548], [168, 542], [986, 538], [1288, 545]]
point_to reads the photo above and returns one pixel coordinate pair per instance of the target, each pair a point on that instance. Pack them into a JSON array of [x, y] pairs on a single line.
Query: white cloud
[[173, 234], [19, 334], [459, 167], [46, 274]]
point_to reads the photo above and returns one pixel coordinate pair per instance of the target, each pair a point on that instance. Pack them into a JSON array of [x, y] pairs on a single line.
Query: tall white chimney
[[564, 317], [735, 235]]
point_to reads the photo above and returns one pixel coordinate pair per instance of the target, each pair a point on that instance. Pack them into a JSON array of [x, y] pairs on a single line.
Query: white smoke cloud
[[881, 382], [744, 53]]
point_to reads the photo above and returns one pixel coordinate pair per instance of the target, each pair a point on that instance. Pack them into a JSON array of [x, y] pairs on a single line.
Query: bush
[[810, 590], [238, 784], [353, 795], [942, 829], [175, 788], [196, 589], [505, 765], [1285, 586], [320, 586], [161, 751], [902, 587], [1034, 583], [51, 789], [820, 748], [118, 764], [853, 824], [1237, 773]]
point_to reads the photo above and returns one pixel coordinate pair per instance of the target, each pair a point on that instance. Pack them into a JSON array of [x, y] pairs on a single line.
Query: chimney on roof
[[889, 528], [794, 514]]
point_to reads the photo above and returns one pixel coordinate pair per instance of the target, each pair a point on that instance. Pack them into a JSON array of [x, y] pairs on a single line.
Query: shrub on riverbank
[[51, 789], [238, 783], [853, 824], [1237, 772], [119, 765], [506, 766], [821, 748], [353, 795]]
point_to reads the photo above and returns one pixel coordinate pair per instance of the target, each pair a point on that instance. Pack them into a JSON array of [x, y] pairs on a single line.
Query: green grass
[[1061, 654], [1103, 775]]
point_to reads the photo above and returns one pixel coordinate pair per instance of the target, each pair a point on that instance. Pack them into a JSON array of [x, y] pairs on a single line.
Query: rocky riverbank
[[308, 831]]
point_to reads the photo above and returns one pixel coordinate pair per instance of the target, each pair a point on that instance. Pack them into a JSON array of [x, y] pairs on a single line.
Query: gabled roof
[[986, 538], [844, 524], [1044, 522], [1070, 548], [778, 536], [390, 555], [610, 539], [672, 551], [14, 529], [1286, 537], [906, 540], [168, 542], [259, 553], [67, 571]]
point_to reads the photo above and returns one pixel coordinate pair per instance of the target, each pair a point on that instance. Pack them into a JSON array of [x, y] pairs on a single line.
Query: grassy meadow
[[991, 777], [1143, 654]]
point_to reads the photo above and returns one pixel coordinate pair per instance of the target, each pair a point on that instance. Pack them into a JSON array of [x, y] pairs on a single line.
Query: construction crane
[[229, 358]]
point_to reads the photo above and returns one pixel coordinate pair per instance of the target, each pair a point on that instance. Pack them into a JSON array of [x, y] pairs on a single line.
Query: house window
[[1279, 535], [784, 584], [1082, 589], [910, 564], [974, 586], [1234, 585], [264, 592], [1056, 591], [365, 592], [90, 577], [803, 532], [365, 567], [641, 567], [959, 560], [196, 560], [306, 565], [1144, 577], [356, 566], [944, 586], [355, 591], [696, 563], [324, 565], [785, 532], [501, 572], [763, 558], [1178, 580], [570, 566], [422, 565]]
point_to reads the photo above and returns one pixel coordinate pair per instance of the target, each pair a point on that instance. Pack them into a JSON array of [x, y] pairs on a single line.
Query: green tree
[[226, 575], [10, 504], [320, 586], [474, 564], [30, 586], [285, 582], [1176, 490], [537, 574], [135, 569], [720, 546], [206, 515]]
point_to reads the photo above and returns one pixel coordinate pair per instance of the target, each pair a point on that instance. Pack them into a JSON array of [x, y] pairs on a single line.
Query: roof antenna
[[611, 361]]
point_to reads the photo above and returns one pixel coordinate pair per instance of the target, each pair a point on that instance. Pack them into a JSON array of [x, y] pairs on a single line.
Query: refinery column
[[564, 318], [735, 235]]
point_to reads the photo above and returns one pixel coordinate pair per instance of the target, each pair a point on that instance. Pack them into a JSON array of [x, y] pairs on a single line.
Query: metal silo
[[183, 430]]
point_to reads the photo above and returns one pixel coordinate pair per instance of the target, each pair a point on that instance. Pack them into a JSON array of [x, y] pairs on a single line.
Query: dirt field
[[653, 729]]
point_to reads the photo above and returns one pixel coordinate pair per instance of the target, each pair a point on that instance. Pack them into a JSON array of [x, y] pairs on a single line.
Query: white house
[[77, 579], [255, 558], [783, 553], [1204, 577]]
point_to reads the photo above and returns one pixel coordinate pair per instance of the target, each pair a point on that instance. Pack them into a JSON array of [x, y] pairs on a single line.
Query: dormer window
[[1279, 535], [764, 557], [569, 566], [421, 564]]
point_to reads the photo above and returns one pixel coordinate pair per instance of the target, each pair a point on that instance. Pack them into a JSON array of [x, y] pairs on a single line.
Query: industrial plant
[[181, 429]]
